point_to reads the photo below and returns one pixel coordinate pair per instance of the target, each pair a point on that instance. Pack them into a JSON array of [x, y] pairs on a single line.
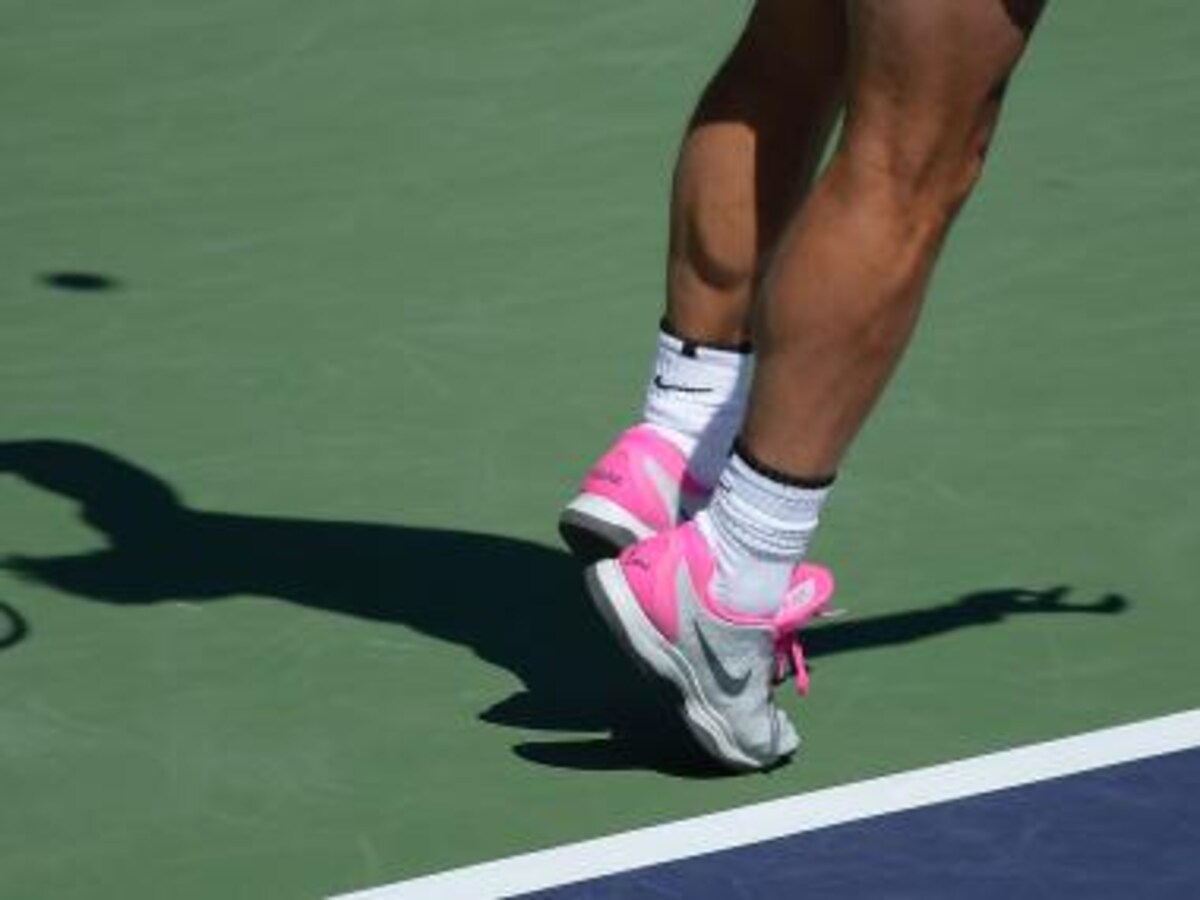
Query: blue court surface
[[1113, 813], [1129, 831]]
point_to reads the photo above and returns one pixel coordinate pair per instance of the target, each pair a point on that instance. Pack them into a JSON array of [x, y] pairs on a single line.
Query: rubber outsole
[[597, 527], [591, 539]]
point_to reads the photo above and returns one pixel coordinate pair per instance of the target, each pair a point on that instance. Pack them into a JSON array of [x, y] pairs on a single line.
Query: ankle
[[758, 528], [696, 398]]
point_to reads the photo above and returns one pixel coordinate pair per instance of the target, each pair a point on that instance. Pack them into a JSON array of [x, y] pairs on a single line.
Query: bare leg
[[925, 85], [748, 157], [837, 308]]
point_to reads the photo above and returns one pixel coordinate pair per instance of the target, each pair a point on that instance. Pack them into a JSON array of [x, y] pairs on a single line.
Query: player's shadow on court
[[515, 604]]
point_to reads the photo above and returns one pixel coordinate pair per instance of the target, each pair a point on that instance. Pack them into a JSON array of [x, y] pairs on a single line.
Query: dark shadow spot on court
[[512, 603], [12, 626], [79, 282]]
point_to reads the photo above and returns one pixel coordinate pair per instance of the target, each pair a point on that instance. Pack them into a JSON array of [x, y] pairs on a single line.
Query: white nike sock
[[759, 528], [696, 398]]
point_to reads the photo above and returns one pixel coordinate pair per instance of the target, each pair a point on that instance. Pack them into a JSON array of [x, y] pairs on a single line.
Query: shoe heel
[[594, 529]]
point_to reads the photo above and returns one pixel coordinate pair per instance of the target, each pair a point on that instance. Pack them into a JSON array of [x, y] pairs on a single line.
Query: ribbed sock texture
[[759, 530], [697, 399]]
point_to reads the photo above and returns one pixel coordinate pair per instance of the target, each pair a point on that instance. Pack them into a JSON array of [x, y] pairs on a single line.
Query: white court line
[[805, 812]]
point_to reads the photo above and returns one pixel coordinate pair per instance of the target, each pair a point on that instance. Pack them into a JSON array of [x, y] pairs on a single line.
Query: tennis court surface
[[310, 315]]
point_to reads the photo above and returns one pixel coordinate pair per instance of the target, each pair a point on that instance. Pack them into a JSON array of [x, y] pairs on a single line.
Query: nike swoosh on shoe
[[733, 685]]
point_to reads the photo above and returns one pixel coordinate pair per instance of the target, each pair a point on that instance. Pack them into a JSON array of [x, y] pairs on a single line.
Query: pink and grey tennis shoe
[[657, 600], [639, 487]]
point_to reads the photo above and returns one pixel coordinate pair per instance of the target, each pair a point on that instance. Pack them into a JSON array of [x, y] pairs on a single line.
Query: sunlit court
[[316, 576]]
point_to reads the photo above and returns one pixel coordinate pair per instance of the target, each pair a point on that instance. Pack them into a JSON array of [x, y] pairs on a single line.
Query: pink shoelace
[[796, 612]]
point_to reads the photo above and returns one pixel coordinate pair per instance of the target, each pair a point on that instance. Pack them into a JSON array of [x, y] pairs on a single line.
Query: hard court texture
[[311, 316]]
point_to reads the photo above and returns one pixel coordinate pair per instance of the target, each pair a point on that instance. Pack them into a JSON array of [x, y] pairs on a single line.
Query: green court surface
[[311, 315]]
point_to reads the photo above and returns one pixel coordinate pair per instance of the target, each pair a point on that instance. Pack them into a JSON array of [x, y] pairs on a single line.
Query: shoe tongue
[[801, 603], [801, 594]]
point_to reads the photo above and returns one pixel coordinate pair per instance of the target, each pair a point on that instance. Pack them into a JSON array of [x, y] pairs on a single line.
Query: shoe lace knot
[[800, 605]]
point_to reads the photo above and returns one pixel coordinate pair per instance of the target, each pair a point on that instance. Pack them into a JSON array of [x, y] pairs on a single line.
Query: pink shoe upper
[[650, 569], [647, 475]]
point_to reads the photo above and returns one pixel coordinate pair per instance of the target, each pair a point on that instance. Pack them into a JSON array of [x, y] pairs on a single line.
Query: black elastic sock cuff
[[690, 347], [808, 483]]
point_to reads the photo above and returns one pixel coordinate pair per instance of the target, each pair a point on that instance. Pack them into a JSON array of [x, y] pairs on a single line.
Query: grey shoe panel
[[668, 489], [682, 504]]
